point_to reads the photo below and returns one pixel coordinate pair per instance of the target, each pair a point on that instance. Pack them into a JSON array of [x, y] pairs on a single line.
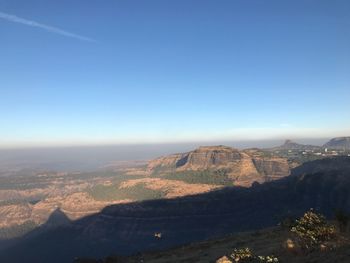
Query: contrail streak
[[16, 19]]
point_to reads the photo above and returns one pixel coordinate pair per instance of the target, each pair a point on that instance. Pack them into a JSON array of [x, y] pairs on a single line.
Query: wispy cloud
[[16, 19]]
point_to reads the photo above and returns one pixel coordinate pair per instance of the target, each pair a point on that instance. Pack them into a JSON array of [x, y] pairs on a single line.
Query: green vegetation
[[161, 170], [140, 192], [312, 231], [22, 182], [297, 156], [34, 181], [93, 175], [217, 177], [112, 192]]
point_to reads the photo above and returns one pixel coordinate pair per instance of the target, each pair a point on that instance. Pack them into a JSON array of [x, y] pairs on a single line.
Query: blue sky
[[89, 72]]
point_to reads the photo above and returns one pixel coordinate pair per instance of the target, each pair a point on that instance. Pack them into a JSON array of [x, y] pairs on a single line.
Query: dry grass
[[265, 242]]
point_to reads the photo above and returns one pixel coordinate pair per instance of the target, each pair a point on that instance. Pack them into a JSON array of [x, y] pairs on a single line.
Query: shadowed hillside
[[269, 241], [130, 228]]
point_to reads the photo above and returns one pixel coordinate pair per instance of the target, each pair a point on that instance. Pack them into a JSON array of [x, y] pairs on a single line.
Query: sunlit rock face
[[210, 157], [242, 167]]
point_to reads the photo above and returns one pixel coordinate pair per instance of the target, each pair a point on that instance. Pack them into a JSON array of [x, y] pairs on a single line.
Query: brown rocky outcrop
[[243, 167]]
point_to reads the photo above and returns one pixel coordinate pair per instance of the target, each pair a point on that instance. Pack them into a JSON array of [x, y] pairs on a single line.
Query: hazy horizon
[[91, 158], [236, 143]]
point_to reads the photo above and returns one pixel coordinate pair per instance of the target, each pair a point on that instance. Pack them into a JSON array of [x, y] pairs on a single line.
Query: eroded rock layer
[[243, 167]]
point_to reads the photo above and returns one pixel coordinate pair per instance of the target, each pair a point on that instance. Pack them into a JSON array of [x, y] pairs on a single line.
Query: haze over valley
[[174, 131], [30, 194], [35, 204]]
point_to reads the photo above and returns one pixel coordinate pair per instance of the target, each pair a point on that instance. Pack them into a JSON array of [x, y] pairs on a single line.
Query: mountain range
[[130, 228], [291, 145], [204, 193], [340, 143]]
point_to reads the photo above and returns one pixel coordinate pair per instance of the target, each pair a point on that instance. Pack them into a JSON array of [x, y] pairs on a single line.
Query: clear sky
[[126, 71]]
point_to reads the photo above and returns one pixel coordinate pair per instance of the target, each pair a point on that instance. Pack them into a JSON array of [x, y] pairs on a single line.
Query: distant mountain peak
[[290, 142], [340, 143], [292, 145]]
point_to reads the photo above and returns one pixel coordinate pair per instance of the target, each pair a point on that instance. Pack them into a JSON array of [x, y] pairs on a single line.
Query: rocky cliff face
[[243, 167]]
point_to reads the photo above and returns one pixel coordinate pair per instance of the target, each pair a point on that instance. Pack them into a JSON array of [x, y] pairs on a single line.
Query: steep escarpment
[[243, 168]]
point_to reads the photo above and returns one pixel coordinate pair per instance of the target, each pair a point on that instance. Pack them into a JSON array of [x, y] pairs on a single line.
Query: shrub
[[242, 254], [268, 259], [312, 230], [246, 255]]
